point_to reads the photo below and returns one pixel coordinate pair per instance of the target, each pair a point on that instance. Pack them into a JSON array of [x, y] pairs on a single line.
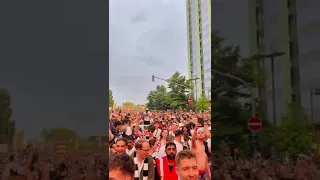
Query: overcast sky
[[146, 37], [54, 62]]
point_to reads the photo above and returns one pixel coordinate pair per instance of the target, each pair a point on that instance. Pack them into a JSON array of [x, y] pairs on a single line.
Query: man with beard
[[187, 166], [166, 166], [144, 165], [120, 167], [121, 146], [162, 150]]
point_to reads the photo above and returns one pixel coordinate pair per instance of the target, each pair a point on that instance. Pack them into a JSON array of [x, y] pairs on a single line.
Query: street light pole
[[273, 91], [311, 105], [313, 91], [167, 80], [271, 56]]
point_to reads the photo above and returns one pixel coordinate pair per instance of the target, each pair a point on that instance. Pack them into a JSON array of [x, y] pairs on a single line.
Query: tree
[[203, 103], [128, 105], [158, 99], [179, 91], [231, 97], [176, 98], [111, 101], [7, 128], [294, 135], [60, 134], [88, 144]]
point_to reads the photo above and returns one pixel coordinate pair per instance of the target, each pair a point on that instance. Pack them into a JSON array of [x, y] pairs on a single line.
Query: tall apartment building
[[293, 27], [199, 44]]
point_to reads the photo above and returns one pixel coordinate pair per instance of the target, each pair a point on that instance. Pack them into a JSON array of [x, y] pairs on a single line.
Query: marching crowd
[[50, 166], [156, 145], [159, 145], [262, 168]]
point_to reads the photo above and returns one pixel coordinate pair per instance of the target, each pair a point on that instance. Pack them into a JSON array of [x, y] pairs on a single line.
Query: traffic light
[[152, 78]]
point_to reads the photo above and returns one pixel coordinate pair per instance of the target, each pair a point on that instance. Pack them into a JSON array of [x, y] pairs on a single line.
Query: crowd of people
[[261, 168], [51, 166], [156, 145], [160, 145]]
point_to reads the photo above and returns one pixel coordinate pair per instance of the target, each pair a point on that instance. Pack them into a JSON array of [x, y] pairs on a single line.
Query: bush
[[294, 135]]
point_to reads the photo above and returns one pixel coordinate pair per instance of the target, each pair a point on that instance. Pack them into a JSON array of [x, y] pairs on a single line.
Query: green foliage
[[203, 103], [111, 100], [88, 144], [158, 99], [229, 95], [176, 98], [59, 134], [7, 126], [128, 105], [231, 103], [294, 135]]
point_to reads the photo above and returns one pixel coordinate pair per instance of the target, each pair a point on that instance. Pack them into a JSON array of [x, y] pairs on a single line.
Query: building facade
[[292, 27], [199, 45]]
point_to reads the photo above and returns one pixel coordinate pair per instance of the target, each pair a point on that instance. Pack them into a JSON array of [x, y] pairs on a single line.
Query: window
[[291, 23], [259, 11], [205, 34], [258, 14], [206, 58], [204, 9], [204, 16], [294, 97], [290, 20], [290, 3], [291, 49], [260, 33], [292, 78], [206, 50], [258, 40]]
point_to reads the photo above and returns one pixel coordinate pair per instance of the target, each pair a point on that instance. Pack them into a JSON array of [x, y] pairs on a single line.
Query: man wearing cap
[[177, 139]]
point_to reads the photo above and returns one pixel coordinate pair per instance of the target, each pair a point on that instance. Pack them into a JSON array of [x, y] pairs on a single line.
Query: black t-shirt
[[171, 168]]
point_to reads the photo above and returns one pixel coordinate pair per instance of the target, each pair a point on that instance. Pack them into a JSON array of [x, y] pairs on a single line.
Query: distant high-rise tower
[[199, 44]]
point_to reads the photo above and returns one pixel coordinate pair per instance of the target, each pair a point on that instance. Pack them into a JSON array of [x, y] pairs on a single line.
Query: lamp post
[[271, 56], [313, 92], [250, 88], [168, 80]]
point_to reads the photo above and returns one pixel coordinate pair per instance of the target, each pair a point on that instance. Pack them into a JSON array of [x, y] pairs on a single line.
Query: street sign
[[189, 100], [254, 124]]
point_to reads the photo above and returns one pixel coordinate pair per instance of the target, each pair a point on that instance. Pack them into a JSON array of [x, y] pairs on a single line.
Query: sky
[[54, 63], [235, 16], [146, 38]]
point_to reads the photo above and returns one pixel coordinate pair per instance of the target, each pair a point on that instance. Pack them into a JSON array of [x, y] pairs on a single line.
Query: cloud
[[146, 38]]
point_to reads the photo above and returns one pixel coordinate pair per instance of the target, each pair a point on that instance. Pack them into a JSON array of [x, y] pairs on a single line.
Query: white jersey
[[157, 133]]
